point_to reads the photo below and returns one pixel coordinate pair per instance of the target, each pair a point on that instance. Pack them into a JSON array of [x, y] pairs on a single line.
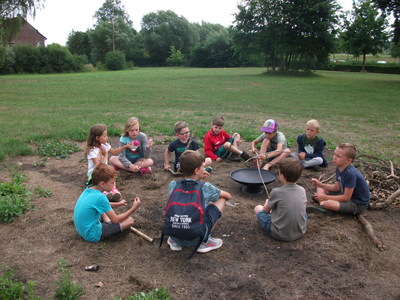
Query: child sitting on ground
[[218, 144], [350, 192], [274, 146], [192, 166], [180, 145], [137, 157], [96, 151], [283, 215], [94, 218], [311, 147]]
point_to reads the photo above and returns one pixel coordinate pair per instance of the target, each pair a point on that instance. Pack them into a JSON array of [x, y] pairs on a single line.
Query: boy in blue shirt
[[350, 193], [94, 218], [192, 166]]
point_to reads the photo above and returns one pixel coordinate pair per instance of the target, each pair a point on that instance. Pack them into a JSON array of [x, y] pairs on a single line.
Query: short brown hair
[[189, 161], [291, 168], [103, 172], [349, 150], [179, 126], [219, 121]]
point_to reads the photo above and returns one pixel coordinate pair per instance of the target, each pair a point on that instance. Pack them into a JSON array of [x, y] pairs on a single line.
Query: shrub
[[115, 61], [10, 288]]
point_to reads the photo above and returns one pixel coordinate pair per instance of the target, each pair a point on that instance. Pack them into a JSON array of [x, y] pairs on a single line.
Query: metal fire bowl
[[251, 180]]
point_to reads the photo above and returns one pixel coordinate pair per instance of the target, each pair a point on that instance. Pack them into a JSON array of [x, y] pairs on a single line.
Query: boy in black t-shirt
[[182, 143]]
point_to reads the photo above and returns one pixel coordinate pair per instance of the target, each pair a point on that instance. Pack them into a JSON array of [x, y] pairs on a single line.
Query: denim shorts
[[108, 229], [222, 152], [264, 219]]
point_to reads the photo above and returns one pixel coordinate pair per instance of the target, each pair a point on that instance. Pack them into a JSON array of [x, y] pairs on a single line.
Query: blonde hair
[[179, 126], [94, 132], [349, 150], [314, 123], [129, 123]]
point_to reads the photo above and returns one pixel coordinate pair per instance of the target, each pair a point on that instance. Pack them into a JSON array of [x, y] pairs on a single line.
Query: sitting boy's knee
[[227, 145]]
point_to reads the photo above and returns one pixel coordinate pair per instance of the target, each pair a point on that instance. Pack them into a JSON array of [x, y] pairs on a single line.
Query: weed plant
[[57, 149], [11, 288], [14, 198], [67, 290], [156, 294]]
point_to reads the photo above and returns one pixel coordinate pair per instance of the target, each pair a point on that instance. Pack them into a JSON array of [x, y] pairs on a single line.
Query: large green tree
[[161, 31], [78, 43], [113, 31], [365, 32], [292, 34]]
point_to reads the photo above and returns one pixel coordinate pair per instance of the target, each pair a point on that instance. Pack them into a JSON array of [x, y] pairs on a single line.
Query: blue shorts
[[222, 152], [264, 219], [108, 229]]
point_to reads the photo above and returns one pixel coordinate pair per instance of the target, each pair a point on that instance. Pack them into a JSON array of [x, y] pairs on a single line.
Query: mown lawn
[[359, 108]]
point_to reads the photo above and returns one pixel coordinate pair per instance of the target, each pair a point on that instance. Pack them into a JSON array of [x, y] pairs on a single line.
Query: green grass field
[[359, 108]]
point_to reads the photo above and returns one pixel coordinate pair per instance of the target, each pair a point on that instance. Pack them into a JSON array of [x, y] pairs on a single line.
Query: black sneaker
[[234, 157], [315, 209], [245, 155]]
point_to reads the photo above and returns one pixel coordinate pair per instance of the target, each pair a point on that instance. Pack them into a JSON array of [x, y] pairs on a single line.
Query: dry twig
[[370, 231]]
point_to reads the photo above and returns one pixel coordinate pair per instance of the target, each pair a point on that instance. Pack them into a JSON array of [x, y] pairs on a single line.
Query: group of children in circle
[[283, 216]]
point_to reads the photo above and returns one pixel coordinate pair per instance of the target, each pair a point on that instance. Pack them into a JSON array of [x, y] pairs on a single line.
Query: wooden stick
[[392, 171], [147, 238], [370, 231]]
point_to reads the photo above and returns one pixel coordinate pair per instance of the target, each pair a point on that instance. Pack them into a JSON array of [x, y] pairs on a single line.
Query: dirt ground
[[334, 260]]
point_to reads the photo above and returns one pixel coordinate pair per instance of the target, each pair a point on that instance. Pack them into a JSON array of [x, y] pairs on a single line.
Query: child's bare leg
[[141, 163], [277, 159], [236, 139], [114, 160], [207, 162], [331, 204], [258, 208], [104, 218], [231, 148]]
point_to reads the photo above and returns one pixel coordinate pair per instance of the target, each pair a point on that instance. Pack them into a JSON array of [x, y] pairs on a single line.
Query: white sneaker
[[211, 244], [174, 246]]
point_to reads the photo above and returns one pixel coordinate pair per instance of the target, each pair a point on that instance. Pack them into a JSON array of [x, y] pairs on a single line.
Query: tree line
[[282, 35]]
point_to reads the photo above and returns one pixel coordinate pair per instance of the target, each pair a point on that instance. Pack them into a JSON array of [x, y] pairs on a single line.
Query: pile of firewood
[[383, 181]]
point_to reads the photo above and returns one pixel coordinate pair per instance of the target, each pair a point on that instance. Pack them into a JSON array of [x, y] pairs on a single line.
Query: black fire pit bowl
[[251, 179]]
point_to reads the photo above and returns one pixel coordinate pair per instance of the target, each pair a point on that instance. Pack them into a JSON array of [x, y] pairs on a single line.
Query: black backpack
[[184, 213]]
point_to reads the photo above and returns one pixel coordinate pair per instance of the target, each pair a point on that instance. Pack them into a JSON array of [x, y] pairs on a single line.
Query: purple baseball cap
[[269, 126]]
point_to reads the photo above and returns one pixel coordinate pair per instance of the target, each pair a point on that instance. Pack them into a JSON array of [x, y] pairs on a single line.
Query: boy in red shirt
[[218, 144]]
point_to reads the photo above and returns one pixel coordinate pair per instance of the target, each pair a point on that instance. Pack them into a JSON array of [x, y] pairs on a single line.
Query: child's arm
[[119, 218], [227, 196], [208, 149], [119, 149], [166, 160], [266, 207], [276, 152], [328, 187], [253, 145], [118, 204]]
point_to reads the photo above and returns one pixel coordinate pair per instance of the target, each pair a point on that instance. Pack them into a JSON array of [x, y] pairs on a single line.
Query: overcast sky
[[60, 17]]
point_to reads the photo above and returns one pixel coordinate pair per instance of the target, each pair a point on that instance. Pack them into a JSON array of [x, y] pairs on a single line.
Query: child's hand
[[205, 174], [302, 155], [218, 159], [122, 203], [315, 182], [150, 143], [134, 168], [167, 167], [136, 202]]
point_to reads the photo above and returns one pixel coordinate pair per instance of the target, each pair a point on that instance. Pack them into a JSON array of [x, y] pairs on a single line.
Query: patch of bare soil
[[335, 259]]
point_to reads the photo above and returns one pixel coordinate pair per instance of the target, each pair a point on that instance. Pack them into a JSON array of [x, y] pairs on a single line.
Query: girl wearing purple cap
[[274, 146]]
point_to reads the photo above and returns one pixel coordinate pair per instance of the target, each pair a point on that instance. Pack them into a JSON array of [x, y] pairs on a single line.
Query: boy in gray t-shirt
[[283, 215]]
